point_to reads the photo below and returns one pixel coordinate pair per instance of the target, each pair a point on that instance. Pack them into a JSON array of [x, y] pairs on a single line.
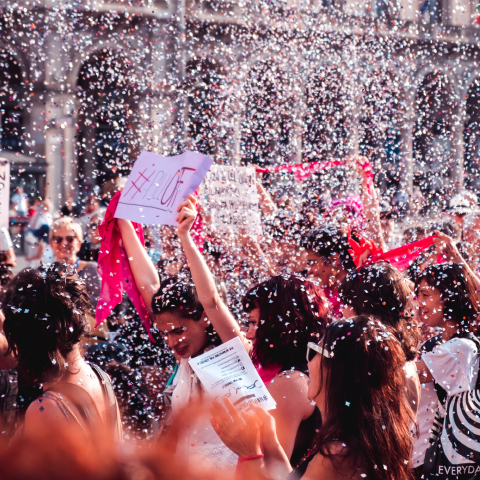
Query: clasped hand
[[245, 433]]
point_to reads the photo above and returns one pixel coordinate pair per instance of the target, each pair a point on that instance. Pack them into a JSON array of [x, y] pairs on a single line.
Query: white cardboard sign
[[227, 371], [232, 198], [157, 185], [4, 192]]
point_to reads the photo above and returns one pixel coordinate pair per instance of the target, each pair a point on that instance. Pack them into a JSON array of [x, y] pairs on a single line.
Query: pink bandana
[[115, 271]]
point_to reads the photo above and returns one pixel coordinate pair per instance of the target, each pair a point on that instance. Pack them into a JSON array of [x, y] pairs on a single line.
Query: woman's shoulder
[[289, 389], [44, 409], [290, 379]]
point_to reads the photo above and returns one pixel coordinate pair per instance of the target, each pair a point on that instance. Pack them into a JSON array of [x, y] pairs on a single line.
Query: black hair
[[327, 241], [293, 312], [458, 292], [177, 294], [380, 290], [45, 317]]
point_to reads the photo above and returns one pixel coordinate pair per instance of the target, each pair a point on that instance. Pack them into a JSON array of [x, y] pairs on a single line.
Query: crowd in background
[[359, 355]]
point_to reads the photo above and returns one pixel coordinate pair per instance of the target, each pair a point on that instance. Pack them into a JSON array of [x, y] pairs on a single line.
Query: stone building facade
[[85, 86]]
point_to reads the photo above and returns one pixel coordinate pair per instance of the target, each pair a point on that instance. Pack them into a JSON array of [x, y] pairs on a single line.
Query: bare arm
[[267, 205], [423, 372], [144, 272], [445, 246], [254, 255], [46, 413], [216, 311], [7, 360], [370, 204]]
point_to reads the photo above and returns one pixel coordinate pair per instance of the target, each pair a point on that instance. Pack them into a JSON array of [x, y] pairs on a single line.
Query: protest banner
[[157, 185], [4, 192], [228, 371], [232, 198]]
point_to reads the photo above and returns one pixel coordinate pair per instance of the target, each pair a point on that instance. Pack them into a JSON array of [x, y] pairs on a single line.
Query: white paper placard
[[227, 371], [4, 192], [232, 198], [157, 185]]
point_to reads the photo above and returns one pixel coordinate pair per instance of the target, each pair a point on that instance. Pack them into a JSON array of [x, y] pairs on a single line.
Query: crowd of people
[[364, 333]]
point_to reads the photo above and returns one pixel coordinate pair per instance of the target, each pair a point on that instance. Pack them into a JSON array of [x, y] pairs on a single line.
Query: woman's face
[[318, 269], [65, 243], [253, 322], [316, 391], [93, 232], [184, 336], [430, 305]]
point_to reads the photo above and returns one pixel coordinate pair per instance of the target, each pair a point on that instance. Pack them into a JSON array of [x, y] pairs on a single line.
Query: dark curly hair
[[45, 316], [327, 241], [367, 410], [177, 294], [380, 290], [293, 312], [457, 289]]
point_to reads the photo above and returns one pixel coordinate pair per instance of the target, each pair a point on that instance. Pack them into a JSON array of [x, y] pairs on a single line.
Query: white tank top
[[198, 445]]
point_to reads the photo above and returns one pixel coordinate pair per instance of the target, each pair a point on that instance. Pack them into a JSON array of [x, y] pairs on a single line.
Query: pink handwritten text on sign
[[157, 185]]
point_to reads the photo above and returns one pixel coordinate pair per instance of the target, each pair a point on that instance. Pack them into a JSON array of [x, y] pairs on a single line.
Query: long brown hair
[[365, 404]]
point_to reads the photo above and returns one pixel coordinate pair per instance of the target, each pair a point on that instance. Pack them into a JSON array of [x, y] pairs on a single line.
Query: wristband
[[246, 459]]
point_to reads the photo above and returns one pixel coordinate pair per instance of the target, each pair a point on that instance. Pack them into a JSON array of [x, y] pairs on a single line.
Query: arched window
[[434, 166], [268, 124], [325, 135], [107, 94], [204, 83], [11, 96], [472, 138], [380, 129]]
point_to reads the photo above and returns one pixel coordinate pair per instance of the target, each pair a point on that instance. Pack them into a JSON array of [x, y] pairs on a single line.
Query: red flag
[[402, 257]]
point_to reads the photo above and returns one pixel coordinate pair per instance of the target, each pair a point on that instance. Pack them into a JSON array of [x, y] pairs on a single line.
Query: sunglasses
[[313, 349], [69, 238]]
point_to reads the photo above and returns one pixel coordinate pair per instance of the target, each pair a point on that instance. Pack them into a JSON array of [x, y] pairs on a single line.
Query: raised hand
[[446, 248], [187, 215]]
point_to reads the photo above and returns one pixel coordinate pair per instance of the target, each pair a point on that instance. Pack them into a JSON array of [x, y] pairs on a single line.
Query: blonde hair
[[66, 223]]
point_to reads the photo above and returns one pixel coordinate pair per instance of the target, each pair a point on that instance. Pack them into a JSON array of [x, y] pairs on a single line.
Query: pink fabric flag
[[114, 268], [402, 257], [302, 171]]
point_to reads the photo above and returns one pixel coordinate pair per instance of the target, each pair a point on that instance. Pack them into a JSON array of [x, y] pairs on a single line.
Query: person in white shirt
[[448, 302], [19, 203], [36, 236]]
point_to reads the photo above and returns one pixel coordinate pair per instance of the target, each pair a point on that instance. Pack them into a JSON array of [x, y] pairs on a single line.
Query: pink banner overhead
[[302, 171]]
